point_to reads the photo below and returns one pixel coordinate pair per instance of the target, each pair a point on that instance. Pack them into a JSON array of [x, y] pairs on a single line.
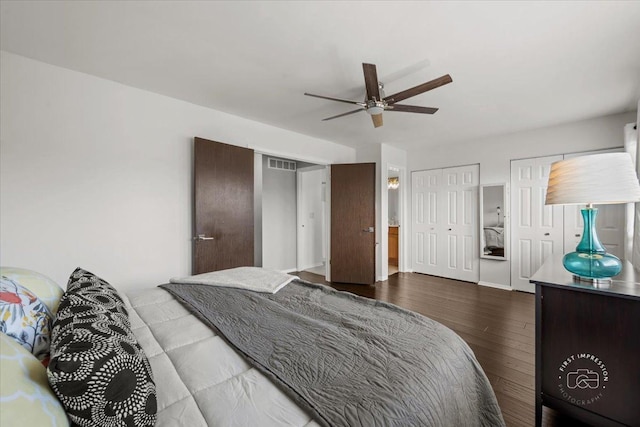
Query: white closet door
[[426, 227], [445, 222], [610, 226], [610, 223], [537, 230], [459, 211]]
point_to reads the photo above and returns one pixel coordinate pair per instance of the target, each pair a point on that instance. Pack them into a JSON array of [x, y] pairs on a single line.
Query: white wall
[[495, 154], [278, 218], [97, 174]]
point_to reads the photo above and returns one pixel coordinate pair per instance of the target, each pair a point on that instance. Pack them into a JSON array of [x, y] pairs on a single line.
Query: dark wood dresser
[[588, 346]]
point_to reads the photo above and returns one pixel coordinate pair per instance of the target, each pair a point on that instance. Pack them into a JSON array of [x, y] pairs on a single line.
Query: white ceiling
[[514, 65]]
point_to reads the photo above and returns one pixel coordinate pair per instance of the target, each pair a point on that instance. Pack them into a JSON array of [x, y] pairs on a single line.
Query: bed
[[231, 360], [494, 237], [494, 241]]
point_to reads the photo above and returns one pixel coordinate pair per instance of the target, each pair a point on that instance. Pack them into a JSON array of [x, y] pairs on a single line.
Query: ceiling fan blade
[[411, 109], [336, 99], [371, 81], [377, 120], [417, 90], [343, 114]]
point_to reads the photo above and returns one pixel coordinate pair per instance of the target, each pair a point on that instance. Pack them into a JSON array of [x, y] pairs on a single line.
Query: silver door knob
[[202, 237], [369, 230]]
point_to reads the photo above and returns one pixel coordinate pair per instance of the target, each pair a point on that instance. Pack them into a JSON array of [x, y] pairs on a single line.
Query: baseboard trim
[[495, 285], [306, 267], [290, 270]]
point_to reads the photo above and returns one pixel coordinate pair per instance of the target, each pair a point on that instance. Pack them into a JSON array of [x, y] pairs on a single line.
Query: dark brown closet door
[[223, 206], [353, 219]]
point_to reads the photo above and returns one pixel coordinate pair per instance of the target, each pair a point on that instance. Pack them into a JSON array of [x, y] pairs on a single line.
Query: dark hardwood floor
[[497, 324]]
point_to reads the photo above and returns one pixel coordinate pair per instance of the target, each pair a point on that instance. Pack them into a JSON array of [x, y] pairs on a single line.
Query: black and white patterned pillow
[[97, 369]]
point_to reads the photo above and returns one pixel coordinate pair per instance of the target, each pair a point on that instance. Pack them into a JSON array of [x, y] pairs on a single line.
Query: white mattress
[[200, 380]]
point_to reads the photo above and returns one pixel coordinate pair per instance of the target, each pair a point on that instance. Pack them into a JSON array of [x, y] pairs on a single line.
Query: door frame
[[325, 168], [402, 220]]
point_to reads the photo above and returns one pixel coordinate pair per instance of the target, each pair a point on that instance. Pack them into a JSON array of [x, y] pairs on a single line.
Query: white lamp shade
[[598, 179]]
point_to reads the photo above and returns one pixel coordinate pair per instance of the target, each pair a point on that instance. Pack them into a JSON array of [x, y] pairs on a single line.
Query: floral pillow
[[25, 396], [25, 318], [42, 286]]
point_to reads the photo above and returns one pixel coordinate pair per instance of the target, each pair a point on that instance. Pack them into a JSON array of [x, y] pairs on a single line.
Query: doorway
[[393, 205], [278, 227]]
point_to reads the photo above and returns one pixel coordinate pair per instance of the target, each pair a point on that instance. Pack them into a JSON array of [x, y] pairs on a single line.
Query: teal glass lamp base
[[591, 261], [592, 266]]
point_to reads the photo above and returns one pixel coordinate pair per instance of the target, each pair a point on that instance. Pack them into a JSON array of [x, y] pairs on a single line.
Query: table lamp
[[596, 179]]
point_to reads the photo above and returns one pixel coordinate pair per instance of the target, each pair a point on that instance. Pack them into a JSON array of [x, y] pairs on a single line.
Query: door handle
[[369, 230], [202, 237], [577, 235], [546, 234]]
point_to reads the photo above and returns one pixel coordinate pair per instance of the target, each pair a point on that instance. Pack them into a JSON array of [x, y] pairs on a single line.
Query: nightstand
[[588, 346]]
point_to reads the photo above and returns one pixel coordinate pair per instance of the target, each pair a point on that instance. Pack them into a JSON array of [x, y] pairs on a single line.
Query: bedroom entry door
[[223, 206], [353, 219]]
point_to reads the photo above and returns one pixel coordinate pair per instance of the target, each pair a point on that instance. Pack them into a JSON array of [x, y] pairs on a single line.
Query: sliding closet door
[[445, 222], [536, 229]]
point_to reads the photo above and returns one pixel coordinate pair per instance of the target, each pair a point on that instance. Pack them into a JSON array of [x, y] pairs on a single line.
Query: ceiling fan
[[375, 102]]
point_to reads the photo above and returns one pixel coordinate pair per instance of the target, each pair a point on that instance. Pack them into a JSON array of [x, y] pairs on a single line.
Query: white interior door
[[426, 226], [459, 211], [537, 230], [445, 222], [310, 184]]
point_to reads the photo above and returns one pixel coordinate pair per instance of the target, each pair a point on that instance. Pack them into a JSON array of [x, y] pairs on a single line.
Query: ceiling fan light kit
[[376, 103]]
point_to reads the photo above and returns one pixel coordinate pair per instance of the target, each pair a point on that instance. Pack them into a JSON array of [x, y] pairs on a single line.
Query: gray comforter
[[349, 360]]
